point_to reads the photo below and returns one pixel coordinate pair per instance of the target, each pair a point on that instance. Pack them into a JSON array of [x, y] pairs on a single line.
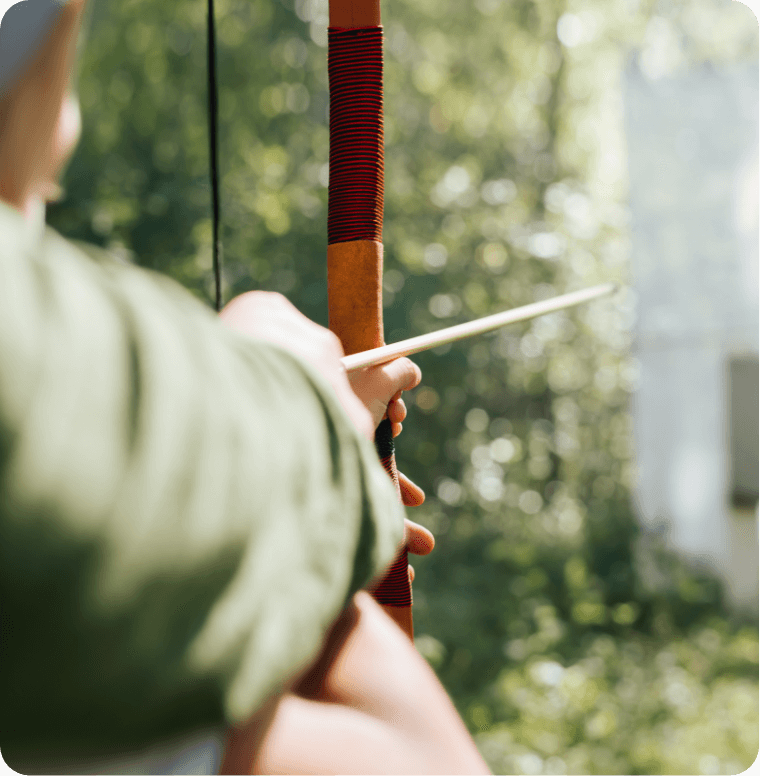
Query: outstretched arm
[[370, 704]]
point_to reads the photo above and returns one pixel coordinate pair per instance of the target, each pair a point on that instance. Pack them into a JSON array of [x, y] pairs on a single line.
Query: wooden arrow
[[462, 331]]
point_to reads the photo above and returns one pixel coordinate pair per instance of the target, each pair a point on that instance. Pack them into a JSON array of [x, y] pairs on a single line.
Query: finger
[[411, 495], [378, 410], [397, 428], [419, 541], [352, 403], [397, 410], [401, 374]]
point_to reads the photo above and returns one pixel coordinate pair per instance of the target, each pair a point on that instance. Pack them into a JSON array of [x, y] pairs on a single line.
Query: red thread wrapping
[[394, 589], [355, 69]]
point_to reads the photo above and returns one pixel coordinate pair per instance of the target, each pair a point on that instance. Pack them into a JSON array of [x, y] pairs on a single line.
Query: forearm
[[305, 736], [371, 704]]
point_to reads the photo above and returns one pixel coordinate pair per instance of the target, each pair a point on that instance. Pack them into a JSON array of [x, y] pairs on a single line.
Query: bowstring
[[213, 122]]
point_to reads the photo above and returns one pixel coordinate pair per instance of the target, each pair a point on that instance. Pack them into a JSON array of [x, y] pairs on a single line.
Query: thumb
[[391, 379], [377, 385], [400, 375]]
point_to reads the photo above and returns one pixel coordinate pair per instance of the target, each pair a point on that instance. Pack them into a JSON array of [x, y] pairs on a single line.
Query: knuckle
[[332, 342], [273, 299]]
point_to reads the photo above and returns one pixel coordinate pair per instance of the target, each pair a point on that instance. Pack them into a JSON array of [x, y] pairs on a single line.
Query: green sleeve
[[183, 510]]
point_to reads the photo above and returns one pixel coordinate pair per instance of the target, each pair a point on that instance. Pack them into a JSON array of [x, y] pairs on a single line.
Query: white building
[[693, 167]]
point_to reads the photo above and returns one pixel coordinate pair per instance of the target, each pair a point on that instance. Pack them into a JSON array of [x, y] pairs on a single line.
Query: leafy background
[[505, 183]]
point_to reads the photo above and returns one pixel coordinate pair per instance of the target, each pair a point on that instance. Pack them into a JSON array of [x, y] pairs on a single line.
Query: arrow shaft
[[462, 331]]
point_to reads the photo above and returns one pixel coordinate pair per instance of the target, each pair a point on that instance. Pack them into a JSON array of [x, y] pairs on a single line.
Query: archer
[[170, 489]]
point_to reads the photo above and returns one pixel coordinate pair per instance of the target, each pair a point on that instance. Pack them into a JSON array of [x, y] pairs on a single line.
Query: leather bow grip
[[354, 270]]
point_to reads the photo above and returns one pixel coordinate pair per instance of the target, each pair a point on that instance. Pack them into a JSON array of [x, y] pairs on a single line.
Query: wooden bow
[[354, 253], [355, 212]]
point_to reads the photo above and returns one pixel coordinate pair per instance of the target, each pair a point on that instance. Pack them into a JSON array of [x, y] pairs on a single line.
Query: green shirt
[[183, 510]]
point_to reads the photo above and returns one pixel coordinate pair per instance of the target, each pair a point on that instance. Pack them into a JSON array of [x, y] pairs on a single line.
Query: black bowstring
[[213, 121]]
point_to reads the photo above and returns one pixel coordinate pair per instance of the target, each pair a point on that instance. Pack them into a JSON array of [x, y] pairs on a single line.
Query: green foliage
[[629, 705], [505, 183]]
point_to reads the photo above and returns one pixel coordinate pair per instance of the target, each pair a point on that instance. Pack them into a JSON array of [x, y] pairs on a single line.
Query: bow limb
[[355, 213]]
